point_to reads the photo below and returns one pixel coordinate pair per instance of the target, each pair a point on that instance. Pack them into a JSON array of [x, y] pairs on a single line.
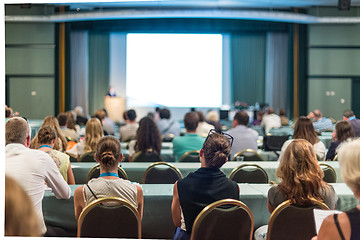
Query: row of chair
[[166, 173], [224, 219]]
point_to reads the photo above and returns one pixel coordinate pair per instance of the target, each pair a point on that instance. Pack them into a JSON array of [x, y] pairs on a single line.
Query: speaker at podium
[[115, 106]]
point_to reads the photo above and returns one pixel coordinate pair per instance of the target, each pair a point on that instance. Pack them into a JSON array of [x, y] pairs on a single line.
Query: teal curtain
[[98, 69], [248, 52]]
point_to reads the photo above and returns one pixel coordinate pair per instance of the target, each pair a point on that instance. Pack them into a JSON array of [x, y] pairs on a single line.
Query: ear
[[201, 154], [121, 157], [96, 158], [28, 141], [234, 123]]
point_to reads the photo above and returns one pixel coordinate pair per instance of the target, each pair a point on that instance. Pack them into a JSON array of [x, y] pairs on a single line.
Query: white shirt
[[270, 121], [319, 147], [204, 128], [31, 169]]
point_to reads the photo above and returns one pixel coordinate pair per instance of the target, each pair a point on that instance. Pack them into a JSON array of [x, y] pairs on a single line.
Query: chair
[[109, 218], [335, 158], [249, 173], [191, 156], [329, 173], [161, 173], [225, 219], [87, 157], [148, 156], [167, 138], [95, 173], [248, 155], [289, 221], [274, 142]]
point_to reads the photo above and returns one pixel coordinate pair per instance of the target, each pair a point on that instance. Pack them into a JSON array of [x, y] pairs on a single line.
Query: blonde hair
[[300, 173], [60, 142], [93, 133], [20, 216], [212, 116], [349, 160]]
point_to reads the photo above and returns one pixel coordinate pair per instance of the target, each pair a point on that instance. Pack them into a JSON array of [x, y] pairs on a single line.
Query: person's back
[[270, 120], [67, 132], [128, 132], [349, 115]]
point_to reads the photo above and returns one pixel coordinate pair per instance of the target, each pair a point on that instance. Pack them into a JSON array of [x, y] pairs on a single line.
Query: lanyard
[[42, 146], [108, 174]]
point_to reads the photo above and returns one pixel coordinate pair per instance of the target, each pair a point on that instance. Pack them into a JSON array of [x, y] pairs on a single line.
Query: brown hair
[[242, 118], [216, 150], [93, 133], [20, 216], [304, 129], [60, 142], [108, 151], [300, 173], [46, 135], [148, 136], [16, 130], [62, 118], [344, 131], [191, 121]]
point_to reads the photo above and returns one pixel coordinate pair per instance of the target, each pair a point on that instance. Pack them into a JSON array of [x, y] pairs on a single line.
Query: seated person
[[349, 115], [207, 185], [46, 139], [349, 221], [166, 125], [128, 132], [190, 141], [270, 120], [320, 123], [203, 127], [283, 118], [108, 154], [343, 132], [67, 132]]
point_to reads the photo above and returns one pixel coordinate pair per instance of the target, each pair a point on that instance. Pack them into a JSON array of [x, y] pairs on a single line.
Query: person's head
[[8, 112], [148, 136], [20, 216], [304, 129], [46, 135], [344, 131], [60, 142], [317, 114], [270, 110], [191, 121], [241, 118], [17, 131], [164, 113], [100, 114], [93, 133], [300, 173], [108, 153], [125, 117], [62, 119], [282, 112], [131, 114], [215, 150], [347, 114], [71, 119], [260, 115], [349, 160], [212, 116], [79, 111], [201, 116]]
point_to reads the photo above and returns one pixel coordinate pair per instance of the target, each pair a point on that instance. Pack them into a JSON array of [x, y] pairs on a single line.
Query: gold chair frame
[[121, 201], [92, 170], [153, 165], [247, 151], [188, 153], [216, 204], [235, 170], [335, 158], [330, 167]]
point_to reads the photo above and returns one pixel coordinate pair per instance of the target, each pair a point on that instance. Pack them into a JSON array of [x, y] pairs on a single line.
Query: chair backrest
[[161, 173], [224, 219], [167, 137], [249, 173], [87, 157], [329, 173], [148, 156], [248, 155], [191, 156], [94, 172], [109, 218], [274, 142], [335, 158], [289, 221]]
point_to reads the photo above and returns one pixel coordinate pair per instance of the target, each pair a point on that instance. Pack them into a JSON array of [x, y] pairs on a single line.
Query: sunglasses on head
[[228, 136]]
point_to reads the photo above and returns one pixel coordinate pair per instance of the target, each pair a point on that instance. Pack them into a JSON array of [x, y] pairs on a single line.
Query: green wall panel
[[334, 35], [29, 33]]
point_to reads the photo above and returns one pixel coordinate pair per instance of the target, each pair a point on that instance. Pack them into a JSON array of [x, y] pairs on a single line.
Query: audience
[[244, 137], [343, 132], [284, 120], [108, 124], [207, 185], [166, 125], [203, 127], [320, 123], [270, 120], [20, 215], [147, 138], [46, 139], [346, 224], [128, 132], [60, 141], [108, 154], [259, 117], [348, 115], [304, 129], [301, 180], [93, 133], [190, 141], [80, 117], [71, 134], [213, 118], [32, 168]]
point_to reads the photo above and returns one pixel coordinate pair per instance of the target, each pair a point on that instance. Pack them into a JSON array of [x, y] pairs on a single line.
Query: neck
[[187, 131], [115, 170]]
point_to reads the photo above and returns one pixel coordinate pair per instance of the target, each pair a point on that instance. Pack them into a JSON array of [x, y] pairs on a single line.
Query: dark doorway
[[355, 96]]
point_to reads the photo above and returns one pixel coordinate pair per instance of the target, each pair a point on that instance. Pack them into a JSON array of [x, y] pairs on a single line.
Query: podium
[[115, 107]]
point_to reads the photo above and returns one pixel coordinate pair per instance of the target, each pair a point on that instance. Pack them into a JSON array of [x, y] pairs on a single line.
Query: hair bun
[[107, 158]]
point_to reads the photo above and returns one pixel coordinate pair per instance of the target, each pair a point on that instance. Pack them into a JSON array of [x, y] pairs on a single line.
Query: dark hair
[[62, 119], [164, 113], [304, 129], [270, 110], [147, 136], [46, 135], [108, 151], [348, 113], [216, 150], [282, 112], [242, 118], [344, 131], [201, 116], [125, 115], [8, 112], [131, 114], [191, 121]]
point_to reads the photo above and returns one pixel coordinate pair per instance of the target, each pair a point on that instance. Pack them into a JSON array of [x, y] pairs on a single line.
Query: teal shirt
[[188, 142]]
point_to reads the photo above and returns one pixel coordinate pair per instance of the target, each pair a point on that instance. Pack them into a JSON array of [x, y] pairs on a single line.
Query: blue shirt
[[322, 124]]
